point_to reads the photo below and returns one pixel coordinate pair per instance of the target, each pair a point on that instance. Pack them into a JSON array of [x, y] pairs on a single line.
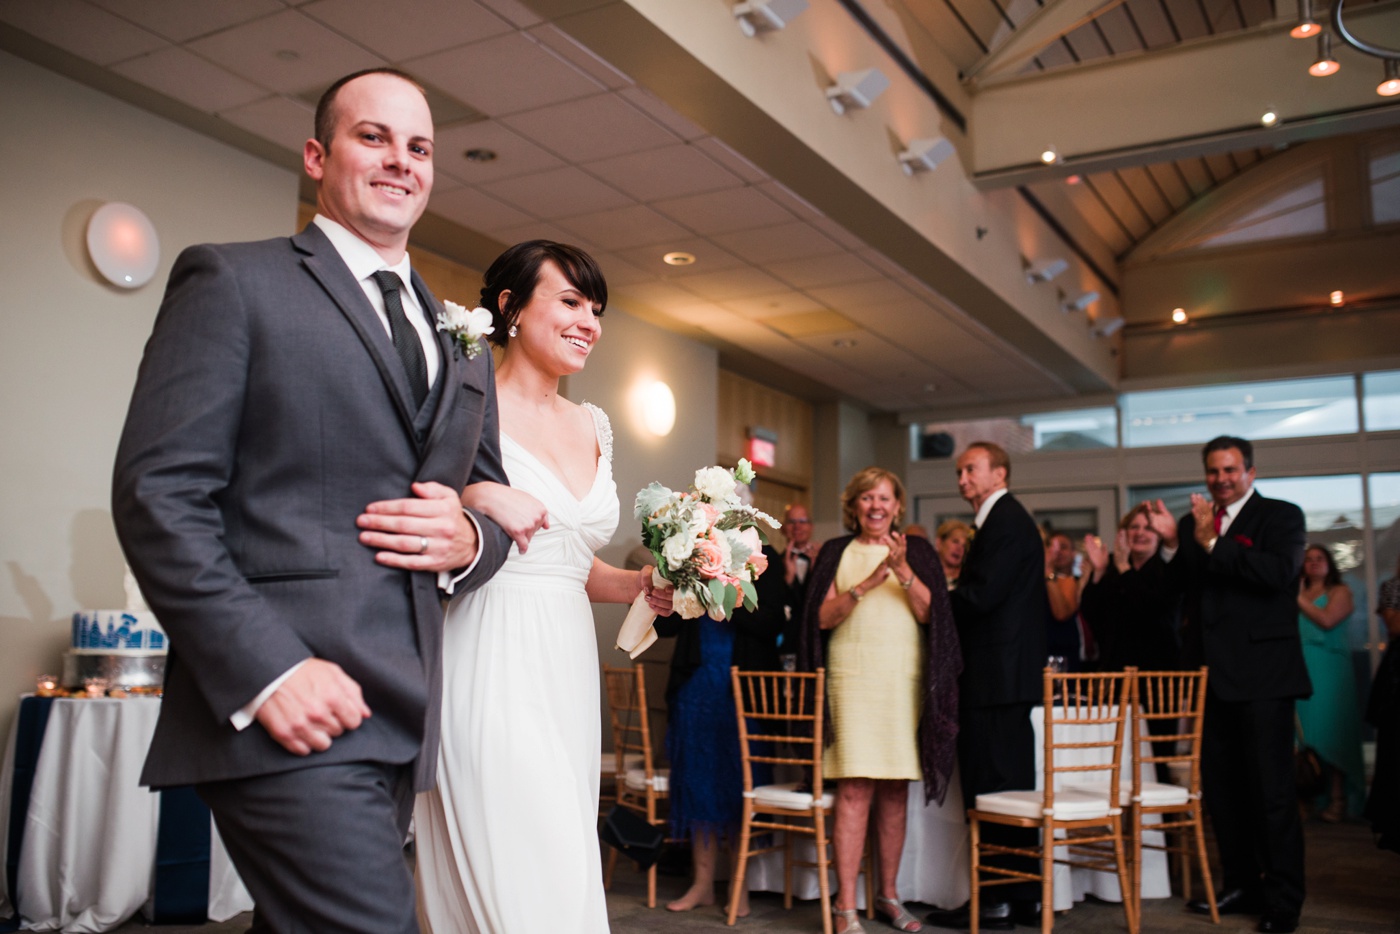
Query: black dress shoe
[[1026, 914], [994, 916], [1228, 902], [1274, 923]]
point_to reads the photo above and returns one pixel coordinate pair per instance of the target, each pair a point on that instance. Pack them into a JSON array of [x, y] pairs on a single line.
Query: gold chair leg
[[1125, 879], [1047, 878], [608, 873], [741, 868], [975, 899], [823, 870], [1204, 862]]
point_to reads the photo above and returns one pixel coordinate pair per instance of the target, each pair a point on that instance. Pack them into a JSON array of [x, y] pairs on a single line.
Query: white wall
[[72, 344]]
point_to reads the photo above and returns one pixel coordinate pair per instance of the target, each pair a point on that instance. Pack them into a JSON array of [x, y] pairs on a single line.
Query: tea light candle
[[95, 687], [46, 686]]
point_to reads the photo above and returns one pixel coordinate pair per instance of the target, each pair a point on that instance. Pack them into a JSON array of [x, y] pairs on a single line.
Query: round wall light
[[658, 406], [122, 242]]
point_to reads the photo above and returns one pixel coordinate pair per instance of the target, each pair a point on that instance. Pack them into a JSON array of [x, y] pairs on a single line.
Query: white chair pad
[[788, 796], [1070, 804], [637, 780], [1154, 794]]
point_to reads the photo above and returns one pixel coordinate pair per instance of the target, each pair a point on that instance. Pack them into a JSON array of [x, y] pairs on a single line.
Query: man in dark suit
[[794, 565], [1000, 607], [286, 491], [1236, 558]]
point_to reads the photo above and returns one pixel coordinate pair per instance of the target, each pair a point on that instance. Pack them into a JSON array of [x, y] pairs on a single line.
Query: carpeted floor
[[1352, 887]]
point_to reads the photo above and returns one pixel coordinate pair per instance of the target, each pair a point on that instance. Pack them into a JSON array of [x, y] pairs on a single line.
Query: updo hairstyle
[[517, 270]]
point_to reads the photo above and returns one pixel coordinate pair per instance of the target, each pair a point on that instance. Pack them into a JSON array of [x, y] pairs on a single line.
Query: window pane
[[1077, 429], [1295, 213], [1281, 409], [1380, 395], [1385, 520], [1385, 187]]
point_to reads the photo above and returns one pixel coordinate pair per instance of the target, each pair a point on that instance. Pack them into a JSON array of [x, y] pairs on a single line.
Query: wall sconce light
[[123, 245], [658, 408], [1326, 64], [1078, 302], [1046, 270], [1307, 26], [856, 89], [924, 155], [1108, 326], [758, 16]]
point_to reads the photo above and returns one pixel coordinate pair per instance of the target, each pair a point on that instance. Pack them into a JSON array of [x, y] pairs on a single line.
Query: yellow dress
[[874, 667]]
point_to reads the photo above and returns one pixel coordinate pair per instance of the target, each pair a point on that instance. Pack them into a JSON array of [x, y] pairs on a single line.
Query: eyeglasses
[[798, 522]]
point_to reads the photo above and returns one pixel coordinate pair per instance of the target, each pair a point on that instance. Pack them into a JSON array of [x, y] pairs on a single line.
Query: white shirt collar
[[987, 505], [1233, 510], [361, 258]]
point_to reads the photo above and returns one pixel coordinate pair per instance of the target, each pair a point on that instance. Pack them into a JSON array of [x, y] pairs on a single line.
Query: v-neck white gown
[[508, 841]]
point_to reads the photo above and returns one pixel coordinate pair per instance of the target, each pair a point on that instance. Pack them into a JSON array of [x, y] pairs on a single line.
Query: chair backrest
[[631, 727], [1085, 726], [780, 720], [1178, 697]]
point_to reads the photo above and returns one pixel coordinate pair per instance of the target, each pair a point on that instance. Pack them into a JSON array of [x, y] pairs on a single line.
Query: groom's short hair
[[327, 112]]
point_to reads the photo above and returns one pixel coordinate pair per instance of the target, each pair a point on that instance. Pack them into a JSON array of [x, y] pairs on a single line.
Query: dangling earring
[[512, 330]]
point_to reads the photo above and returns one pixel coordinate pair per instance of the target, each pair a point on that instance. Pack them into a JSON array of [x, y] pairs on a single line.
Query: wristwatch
[[856, 595]]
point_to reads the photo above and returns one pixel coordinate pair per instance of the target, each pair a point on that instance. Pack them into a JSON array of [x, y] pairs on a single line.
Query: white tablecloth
[[935, 865], [90, 835]]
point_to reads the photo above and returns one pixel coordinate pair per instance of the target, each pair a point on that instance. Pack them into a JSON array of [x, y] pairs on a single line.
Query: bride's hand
[[515, 511], [658, 598]]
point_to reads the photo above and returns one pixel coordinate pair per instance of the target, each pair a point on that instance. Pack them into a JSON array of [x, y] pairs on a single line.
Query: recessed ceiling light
[[1269, 118], [844, 343], [1336, 297], [480, 155], [1179, 315], [678, 259], [1050, 156], [287, 55], [930, 387]]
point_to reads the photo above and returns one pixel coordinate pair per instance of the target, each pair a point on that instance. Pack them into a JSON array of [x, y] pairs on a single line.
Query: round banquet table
[[935, 865], [88, 860]]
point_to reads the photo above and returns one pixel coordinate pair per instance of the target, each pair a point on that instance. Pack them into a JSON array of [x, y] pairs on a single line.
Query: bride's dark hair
[[517, 271]]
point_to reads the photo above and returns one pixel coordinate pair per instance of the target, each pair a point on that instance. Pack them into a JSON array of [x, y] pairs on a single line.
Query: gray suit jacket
[[269, 410]]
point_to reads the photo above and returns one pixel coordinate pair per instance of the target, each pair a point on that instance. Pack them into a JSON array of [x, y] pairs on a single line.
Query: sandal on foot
[[899, 918], [852, 918]]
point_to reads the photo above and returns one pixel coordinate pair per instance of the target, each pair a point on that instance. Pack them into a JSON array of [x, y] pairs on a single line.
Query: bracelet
[[906, 584], [856, 595]]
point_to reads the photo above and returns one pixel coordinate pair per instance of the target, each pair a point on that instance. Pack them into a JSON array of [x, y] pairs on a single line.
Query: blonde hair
[[864, 481], [949, 526]]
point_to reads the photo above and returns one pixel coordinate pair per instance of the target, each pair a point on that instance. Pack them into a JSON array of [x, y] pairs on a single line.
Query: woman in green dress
[[1331, 718]]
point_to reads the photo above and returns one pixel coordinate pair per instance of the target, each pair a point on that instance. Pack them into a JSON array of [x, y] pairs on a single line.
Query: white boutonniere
[[468, 327]]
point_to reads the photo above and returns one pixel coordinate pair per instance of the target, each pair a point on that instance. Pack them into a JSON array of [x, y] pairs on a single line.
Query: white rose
[[685, 604], [677, 548], [714, 483]]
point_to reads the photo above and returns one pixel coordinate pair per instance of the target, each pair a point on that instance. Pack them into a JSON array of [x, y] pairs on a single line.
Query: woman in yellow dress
[[886, 638]]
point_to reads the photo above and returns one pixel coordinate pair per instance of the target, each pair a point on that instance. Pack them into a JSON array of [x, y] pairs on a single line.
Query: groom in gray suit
[[286, 491]]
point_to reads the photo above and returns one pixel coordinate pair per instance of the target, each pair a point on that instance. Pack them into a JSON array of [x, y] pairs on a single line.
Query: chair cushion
[[637, 780], [1072, 803], [1154, 794], [789, 796]]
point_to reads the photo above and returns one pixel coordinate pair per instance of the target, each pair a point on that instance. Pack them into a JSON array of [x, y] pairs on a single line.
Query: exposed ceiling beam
[[1046, 25], [1194, 99]]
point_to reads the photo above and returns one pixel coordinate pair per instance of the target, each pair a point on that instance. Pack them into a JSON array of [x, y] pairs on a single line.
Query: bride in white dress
[[507, 843]]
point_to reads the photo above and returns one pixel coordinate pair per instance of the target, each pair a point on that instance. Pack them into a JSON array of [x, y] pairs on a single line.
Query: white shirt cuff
[[447, 581], [245, 715], [1169, 553]]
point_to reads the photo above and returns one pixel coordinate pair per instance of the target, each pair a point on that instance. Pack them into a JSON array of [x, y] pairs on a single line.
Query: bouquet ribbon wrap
[[637, 633]]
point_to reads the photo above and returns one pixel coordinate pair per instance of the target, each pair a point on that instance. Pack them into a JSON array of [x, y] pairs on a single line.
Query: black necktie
[[405, 337]]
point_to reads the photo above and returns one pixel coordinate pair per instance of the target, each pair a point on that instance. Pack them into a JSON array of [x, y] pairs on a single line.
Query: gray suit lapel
[[325, 264]]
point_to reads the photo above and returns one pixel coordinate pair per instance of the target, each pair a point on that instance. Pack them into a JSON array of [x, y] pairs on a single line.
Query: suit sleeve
[[995, 575], [175, 459]]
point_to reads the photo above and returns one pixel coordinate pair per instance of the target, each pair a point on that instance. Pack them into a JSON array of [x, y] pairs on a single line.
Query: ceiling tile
[[186, 77], [80, 28], [731, 160], [775, 305], [504, 74], [513, 10], [540, 230], [708, 258], [284, 121], [407, 29], [764, 245], [660, 296], [789, 199], [860, 295], [662, 113], [815, 272], [181, 20], [477, 211], [811, 323], [594, 128], [838, 233], [619, 272], [621, 228], [515, 155], [740, 282], [565, 192], [581, 57], [668, 172], [724, 211], [287, 52]]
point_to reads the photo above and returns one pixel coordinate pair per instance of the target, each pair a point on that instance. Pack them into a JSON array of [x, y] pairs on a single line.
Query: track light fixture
[[924, 155], [1307, 26], [1108, 327], [1390, 84], [1326, 64], [1078, 302], [757, 16], [1045, 270], [856, 89]]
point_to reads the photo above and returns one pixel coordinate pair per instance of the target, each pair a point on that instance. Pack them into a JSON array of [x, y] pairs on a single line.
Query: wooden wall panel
[[744, 404]]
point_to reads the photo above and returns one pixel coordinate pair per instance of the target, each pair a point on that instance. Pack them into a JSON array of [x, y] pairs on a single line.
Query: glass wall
[[1278, 409], [1381, 400]]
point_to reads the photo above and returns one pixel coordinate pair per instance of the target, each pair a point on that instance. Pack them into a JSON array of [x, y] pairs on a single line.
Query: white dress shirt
[[985, 509]]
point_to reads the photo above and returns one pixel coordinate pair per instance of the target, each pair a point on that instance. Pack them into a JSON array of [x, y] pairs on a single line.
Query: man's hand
[[316, 704], [1162, 523], [426, 532], [1204, 512]]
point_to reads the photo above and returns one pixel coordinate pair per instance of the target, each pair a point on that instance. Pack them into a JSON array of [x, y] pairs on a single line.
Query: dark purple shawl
[[938, 720]]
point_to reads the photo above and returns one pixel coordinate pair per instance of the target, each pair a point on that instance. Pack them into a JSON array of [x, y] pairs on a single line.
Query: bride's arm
[[519, 513], [607, 584]]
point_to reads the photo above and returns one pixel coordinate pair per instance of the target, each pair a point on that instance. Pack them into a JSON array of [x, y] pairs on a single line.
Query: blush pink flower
[[711, 558]]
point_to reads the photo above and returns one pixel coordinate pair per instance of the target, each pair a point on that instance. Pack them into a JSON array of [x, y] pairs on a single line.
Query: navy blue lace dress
[[702, 741]]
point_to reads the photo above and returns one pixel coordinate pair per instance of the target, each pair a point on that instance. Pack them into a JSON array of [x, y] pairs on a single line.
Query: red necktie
[[1219, 518]]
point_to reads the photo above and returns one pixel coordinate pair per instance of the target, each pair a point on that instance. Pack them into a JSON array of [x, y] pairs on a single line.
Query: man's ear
[[313, 159]]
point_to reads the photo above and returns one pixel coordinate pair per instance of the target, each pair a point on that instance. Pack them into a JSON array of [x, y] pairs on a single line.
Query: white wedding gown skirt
[[508, 841]]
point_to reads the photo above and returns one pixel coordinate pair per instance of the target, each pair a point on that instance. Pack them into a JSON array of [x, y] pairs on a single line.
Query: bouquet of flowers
[[707, 546]]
